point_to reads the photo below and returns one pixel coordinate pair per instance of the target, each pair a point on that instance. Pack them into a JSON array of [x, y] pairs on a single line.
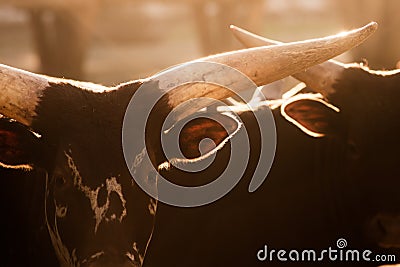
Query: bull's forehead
[[71, 111]]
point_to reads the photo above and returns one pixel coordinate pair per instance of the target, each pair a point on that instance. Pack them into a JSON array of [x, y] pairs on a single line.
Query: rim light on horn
[[320, 77]]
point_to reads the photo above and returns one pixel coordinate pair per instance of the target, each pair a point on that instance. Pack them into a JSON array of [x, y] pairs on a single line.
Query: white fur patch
[[152, 206], [61, 211], [111, 185]]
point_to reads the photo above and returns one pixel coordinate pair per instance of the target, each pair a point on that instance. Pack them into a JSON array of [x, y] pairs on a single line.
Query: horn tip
[[367, 30], [234, 28], [373, 26], [237, 30]]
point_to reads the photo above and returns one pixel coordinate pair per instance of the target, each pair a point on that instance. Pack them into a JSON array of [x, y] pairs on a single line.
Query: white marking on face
[[136, 249], [61, 211], [69, 257], [152, 207], [135, 256], [114, 186], [130, 256], [111, 185], [93, 257]]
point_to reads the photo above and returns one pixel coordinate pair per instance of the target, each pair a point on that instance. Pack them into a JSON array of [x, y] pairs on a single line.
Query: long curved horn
[[266, 64], [320, 77], [19, 93]]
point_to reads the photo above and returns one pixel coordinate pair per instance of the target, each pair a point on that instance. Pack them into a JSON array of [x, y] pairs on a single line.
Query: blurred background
[[112, 41]]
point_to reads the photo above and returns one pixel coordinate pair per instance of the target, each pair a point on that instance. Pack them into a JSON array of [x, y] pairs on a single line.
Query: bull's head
[[96, 215], [358, 106]]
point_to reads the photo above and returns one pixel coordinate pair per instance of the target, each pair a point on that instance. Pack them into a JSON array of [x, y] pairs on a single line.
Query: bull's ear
[[17, 145], [201, 136], [311, 114]]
